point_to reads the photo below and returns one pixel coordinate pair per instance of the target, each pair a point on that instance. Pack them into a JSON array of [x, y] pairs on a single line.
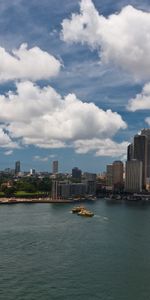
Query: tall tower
[[55, 167], [140, 153], [17, 167]]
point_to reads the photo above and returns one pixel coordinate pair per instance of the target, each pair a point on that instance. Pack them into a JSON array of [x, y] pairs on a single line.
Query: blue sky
[[74, 81]]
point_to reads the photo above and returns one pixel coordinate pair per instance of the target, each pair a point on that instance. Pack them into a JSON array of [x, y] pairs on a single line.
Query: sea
[[48, 253]]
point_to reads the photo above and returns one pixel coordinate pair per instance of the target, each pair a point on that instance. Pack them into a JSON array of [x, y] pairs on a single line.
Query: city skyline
[[90, 93]]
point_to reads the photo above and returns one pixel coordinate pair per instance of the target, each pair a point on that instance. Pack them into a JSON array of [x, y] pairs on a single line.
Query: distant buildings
[[55, 167]]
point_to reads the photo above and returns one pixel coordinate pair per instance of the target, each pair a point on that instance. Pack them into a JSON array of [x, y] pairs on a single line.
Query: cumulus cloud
[[122, 38], [141, 101], [24, 63], [105, 147], [41, 117], [6, 141]]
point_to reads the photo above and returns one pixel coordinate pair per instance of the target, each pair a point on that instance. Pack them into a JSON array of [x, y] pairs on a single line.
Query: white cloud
[[24, 63], [41, 117], [105, 147], [39, 158], [6, 141], [9, 152], [43, 158], [141, 101], [122, 38]]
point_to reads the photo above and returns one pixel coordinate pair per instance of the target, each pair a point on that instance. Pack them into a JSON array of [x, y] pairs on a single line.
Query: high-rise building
[[140, 153], [133, 178], [109, 175], [117, 175], [17, 167], [55, 167], [76, 173], [146, 132], [130, 152]]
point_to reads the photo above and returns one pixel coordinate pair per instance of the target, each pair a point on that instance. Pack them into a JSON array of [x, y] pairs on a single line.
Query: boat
[[86, 213], [77, 209]]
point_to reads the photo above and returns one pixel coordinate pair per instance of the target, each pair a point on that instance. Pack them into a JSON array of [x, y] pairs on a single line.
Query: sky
[[74, 81]]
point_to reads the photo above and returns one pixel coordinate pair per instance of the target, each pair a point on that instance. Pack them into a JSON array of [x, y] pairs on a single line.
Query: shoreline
[[33, 200]]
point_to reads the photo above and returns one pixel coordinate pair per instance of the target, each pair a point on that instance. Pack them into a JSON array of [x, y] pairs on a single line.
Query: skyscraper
[[17, 167], [130, 152], [109, 175], [146, 132], [55, 167], [133, 179], [140, 153]]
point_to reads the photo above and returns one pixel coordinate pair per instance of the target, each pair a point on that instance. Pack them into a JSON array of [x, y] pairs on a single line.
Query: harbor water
[[47, 253]]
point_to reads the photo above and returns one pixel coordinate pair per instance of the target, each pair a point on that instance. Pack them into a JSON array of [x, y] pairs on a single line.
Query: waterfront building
[[55, 167], [146, 132], [76, 173], [109, 175], [17, 167], [133, 178], [65, 189], [140, 153], [117, 175], [89, 179]]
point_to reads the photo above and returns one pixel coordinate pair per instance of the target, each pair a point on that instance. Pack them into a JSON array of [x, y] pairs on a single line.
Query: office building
[[76, 173], [117, 175], [89, 179], [130, 152], [146, 132], [55, 167], [133, 178], [65, 189], [140, 153], [109, 175], [17, 167]]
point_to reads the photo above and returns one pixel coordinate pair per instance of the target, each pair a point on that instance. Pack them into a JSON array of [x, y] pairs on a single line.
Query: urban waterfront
[[48, 253]]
